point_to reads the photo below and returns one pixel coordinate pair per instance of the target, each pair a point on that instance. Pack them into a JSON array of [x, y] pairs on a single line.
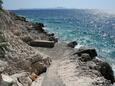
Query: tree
[[1, 2]]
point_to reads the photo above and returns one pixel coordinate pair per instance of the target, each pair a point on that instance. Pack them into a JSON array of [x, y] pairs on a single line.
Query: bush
[[1, 2]]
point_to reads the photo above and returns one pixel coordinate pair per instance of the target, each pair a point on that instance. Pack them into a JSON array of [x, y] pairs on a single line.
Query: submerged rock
[[72, 44]]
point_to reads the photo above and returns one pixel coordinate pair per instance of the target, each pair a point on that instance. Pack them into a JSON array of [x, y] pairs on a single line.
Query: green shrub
[[1, 2]]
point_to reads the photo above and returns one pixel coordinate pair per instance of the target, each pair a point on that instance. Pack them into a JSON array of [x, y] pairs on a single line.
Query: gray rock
[[85, 57], [3, 65], [39, 27], [52, 38], [21, 18], [39, 68], [72, 44], [106, 70], [91, 52], [7, 81], [22, 79], [51, 34]]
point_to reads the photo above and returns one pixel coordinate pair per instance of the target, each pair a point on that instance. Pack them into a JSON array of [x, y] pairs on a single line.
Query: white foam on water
[[45, 28], [98, 58], [113, 67], [78, 46]]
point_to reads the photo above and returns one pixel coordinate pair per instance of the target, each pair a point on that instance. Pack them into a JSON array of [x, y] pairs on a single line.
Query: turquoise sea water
[[88, 27]]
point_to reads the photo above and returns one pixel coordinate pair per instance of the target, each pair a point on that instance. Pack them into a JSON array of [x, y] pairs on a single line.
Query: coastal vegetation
[[1, 2]]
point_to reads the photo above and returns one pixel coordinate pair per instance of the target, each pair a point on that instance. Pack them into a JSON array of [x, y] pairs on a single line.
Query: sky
[[106, 5]]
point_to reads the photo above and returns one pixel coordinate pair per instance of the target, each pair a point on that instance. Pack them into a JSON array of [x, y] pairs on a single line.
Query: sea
[[89, 27]]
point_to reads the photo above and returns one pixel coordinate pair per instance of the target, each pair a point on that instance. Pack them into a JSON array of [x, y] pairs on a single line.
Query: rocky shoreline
[[29, 52]]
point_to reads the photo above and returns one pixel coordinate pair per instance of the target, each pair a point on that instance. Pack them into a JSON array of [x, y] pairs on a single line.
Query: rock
[[47, 61], [39, 68], [25, 80], [33, 76], [39, 24], [52, 38], [39, 27], [92, 52], [51, 34], [21, 18], [27, 39], [3, 66], [22, 79], [72, 44], [85, 57], [106, 70], [7, 81], [42, 43], [35, 58]]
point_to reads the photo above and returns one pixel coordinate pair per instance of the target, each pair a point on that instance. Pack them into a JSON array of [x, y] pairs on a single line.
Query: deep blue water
[[87, 27]]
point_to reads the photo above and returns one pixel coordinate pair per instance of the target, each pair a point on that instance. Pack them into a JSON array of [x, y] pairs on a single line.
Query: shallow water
[[90, 28]]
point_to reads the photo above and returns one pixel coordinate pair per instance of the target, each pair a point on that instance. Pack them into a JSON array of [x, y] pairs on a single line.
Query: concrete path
[[52, 78], [57, 53]]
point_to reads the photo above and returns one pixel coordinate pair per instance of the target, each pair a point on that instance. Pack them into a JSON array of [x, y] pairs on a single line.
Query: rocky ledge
[[29, 56]]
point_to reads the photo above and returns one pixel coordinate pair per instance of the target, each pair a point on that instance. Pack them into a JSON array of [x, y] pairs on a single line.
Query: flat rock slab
[[52, 78], [42, 43]]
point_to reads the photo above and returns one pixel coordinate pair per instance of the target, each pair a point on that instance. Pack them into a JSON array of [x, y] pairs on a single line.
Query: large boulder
[[7, 81], [22, 79], [72, 44], [92, 52], [38, 68], [106, 70]]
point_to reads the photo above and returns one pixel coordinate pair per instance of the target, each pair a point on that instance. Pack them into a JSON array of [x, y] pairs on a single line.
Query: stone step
[[42, 43]]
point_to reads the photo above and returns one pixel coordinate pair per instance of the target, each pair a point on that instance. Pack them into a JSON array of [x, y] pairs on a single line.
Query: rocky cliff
[[16, 55], [22, 64]]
